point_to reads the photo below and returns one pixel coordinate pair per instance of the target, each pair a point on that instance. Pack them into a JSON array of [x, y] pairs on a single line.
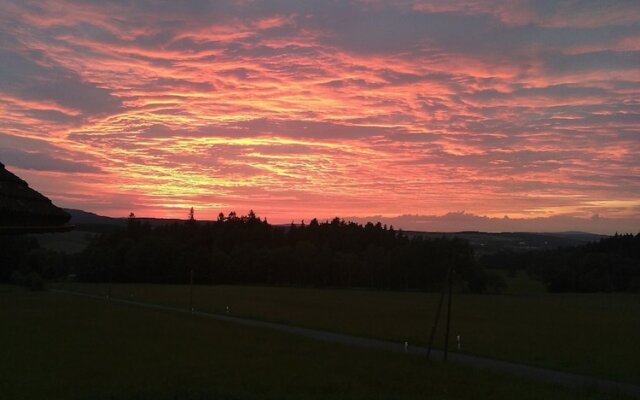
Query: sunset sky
[[456, 110]]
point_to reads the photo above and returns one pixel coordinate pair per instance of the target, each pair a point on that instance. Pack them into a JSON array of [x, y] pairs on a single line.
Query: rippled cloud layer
[[298, 109]]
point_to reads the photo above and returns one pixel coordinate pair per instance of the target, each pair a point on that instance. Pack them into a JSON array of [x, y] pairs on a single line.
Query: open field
[[593, 334], [57, 346], [520, 283]]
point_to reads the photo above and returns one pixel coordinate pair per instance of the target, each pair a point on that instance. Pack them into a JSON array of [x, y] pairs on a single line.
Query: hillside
[[489, 243], [482, 242]]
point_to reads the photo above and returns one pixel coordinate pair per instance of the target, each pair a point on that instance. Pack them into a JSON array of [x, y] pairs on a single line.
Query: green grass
[[58, 346], [593, 334], [520, 283]]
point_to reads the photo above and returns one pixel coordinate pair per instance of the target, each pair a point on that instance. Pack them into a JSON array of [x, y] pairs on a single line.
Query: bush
[[18, 278], [35, 281], [495, 283]]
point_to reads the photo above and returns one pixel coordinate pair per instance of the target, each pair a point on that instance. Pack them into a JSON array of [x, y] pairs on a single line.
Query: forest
[[611, 264], [248, 250]]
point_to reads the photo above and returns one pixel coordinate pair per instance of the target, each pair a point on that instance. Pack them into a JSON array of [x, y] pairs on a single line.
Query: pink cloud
[[311, 109]]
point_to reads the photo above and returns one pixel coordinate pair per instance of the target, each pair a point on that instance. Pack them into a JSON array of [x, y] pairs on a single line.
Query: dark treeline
[[24, 262], [609, 265], [248, 250]]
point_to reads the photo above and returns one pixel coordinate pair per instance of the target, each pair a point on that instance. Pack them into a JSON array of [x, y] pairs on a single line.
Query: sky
[[467, 113]]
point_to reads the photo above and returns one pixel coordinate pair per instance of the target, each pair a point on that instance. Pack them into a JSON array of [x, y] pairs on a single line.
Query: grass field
[[58, 346], [593, 334], [520, 283]]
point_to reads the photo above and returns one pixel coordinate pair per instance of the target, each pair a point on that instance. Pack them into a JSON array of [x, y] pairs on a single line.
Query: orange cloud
[[301, 110]]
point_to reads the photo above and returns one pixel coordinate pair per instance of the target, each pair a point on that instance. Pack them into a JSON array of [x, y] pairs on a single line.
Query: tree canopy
[[248, 250]]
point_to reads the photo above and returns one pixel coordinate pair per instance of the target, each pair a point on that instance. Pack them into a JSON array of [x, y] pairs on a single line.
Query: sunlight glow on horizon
[[307, 109]]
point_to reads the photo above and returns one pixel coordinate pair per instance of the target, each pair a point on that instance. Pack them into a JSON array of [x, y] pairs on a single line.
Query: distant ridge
[[483, 242], [88, 221], [489, 242], [80, 216]]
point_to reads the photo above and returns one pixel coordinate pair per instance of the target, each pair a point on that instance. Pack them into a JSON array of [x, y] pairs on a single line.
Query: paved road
[[535, 373]]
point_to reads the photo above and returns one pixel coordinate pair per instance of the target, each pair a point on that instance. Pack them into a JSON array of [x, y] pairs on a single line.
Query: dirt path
[[535, 373]]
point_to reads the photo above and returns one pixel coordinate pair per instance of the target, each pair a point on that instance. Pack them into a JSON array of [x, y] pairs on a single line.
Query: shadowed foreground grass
[[593, 334], [57, 346]]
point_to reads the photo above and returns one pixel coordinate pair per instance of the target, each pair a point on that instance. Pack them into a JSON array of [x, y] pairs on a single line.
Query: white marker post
[[459, 339]]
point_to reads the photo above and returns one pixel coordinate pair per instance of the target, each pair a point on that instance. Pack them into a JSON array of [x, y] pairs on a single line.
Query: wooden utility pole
[[446, 337], [435, 321], [447, 283]]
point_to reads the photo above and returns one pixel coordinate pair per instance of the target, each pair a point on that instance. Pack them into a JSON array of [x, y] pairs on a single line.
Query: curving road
[[535, 373]]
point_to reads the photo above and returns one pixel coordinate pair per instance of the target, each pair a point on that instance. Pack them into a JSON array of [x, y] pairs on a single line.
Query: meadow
[[59, 346], [592, 334]]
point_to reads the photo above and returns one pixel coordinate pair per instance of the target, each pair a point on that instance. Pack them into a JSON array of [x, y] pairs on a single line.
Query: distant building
[[24, 210]]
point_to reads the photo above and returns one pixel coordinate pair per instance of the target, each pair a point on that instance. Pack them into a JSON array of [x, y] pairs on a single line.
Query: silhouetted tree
[[246, 249]]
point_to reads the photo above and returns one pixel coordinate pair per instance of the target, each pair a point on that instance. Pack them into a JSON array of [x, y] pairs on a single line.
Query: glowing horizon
[[318, 109]]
